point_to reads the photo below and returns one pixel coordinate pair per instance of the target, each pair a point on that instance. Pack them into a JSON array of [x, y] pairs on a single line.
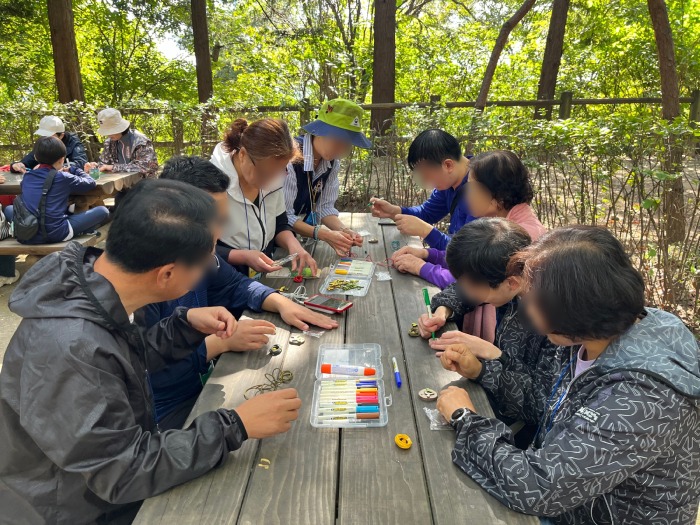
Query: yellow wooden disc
[[403, 441]]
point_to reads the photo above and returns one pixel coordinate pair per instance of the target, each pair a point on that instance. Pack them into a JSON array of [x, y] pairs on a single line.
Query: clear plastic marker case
[[366, 355], [349, 269]]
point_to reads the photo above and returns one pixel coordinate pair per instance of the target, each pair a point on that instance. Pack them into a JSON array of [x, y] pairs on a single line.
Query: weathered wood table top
[[348, 476], [107, 185]]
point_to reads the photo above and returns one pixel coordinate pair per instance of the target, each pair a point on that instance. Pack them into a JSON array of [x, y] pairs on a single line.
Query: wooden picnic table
[[345, 476], [107, 185]]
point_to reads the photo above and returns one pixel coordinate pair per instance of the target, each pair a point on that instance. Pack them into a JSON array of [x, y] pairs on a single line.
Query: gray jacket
[[78, 436], [623, 446]]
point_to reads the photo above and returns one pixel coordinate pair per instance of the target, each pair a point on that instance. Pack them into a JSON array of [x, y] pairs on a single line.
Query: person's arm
[[437, 275], [79, 181], [78, 156], [29, 161], [433, 210], [290, 195], [235, 291], [451, 298], [107, 155], [120, 461], [325, 207], [143, 159], [584, 459], [437, 239]]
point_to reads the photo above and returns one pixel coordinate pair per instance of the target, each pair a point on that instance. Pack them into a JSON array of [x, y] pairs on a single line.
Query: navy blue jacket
[[182, 380], [75, 152], [65, 183]]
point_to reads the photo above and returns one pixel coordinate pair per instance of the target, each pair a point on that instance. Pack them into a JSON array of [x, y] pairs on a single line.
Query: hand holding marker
[[426, 298]]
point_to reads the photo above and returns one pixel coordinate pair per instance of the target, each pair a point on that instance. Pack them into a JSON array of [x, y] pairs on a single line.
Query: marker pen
[[347, 370], [397, 374]]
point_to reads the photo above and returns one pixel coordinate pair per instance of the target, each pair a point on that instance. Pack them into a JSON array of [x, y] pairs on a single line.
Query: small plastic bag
[[437, 421], [314, 333], [364, 233], [383, 276]]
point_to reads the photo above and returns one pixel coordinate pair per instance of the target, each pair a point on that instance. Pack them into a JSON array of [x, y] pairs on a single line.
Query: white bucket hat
[[50, 125], [111, 122]]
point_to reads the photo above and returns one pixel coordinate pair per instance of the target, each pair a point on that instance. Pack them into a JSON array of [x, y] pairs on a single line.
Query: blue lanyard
[[550, 421]]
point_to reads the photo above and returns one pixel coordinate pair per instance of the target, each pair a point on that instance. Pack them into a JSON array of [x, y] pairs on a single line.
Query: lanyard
[[549, 421], [257, 216]]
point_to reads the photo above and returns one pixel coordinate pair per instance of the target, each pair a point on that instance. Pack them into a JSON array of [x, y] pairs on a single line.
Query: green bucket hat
[[340, 119]]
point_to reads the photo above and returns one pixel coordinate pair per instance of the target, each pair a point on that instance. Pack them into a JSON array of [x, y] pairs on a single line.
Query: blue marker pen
[[397, 374]]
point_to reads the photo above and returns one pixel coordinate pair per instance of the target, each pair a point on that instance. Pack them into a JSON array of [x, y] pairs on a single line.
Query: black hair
[[48, 150], [160, 222], [197, 172], [504, 175], [481, 249], [433, 146], [584, 283]]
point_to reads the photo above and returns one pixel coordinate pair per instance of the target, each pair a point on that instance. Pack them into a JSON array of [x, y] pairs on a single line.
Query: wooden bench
[[10, 249]]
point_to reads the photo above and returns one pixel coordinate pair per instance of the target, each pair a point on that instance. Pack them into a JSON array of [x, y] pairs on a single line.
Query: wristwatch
[[459, 415]]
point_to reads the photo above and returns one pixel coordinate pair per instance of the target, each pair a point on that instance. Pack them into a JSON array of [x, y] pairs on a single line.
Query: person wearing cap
[[49, 126], [125, 149], [311, 186]]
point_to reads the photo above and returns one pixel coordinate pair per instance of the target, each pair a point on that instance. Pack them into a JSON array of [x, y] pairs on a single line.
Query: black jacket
[[77, 430], [75, 153]]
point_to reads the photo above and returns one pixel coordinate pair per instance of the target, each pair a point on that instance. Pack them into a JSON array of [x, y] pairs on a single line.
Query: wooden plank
[[453, 495], [13, 247], [301, 484], [379, 482], [107, 184]]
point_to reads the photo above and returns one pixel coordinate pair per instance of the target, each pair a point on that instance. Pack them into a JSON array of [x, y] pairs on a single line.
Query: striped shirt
[[325, 205]]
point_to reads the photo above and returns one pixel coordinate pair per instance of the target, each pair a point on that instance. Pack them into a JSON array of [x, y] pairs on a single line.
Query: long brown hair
[[264, 138]]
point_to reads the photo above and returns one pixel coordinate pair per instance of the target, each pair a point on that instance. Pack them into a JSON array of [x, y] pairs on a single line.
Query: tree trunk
[[200, 32], [384, 64], [498, 47], [65, 51], [552, 56], [673, 205]]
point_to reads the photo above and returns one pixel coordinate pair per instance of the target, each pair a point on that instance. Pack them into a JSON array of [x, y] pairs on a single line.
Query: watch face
[[457, 414]]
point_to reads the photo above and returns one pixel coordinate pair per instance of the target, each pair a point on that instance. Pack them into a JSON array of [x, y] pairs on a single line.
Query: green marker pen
[[426, 298]]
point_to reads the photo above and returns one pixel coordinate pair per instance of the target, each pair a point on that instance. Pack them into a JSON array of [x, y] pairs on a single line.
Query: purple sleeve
[[437, 257], [436, 275]]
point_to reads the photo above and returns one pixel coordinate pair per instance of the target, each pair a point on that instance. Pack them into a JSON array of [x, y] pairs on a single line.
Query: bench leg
[[7, 265]]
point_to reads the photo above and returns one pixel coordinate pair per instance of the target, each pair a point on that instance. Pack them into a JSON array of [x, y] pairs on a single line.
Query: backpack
[[4, 226], [27, 224]]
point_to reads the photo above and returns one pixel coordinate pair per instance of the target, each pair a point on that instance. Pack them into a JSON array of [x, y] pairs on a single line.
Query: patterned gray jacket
[[619, 444], [137, 154]]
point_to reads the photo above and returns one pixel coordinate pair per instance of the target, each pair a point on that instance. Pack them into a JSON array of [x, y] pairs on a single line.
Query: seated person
[[499, 186], [177, 386], [478, 257], [311, 186], [50, 153], [80, 442], [619, 418], [125, 149], [255, 157], [437, 158], [52, 126]]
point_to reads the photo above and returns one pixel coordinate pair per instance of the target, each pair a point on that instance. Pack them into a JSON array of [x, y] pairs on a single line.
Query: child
[[311, 185], [437, 158], [499, 186], [50, 153], [618, 433]]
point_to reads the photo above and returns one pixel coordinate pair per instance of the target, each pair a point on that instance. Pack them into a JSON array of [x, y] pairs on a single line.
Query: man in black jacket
[[79, 439], [53, 126]]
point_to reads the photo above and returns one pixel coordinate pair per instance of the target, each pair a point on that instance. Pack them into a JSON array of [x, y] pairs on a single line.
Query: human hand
[[212, 320], [428, 325], [18, 167], [2, 179], [410, 225], [257, 260], [269, 414], [408, 263], [299, 316], [340, 241], [304, 260], [357, 239], [107, 167], [89, 165], [453, 398], [421, 253], [383, 209], [251, 334], [458, 358], [477, 346]]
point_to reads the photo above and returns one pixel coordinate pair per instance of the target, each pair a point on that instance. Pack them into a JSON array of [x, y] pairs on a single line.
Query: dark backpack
[[27, 224]]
